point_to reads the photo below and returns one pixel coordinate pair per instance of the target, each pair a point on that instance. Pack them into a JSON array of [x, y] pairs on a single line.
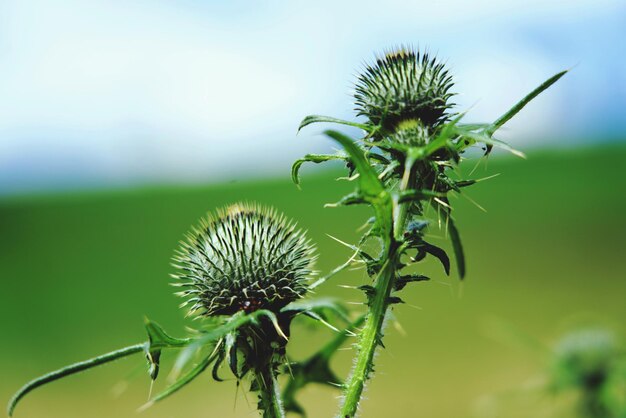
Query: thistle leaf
[[72, 369], [316, 369], [312, 158], [347, 200], [327, 119], [369, 183], [402, 281], [231, 349], [321, 306], [392, 300], [183, 381], [457, 246], [520, 105], [217, 334], [157, 340], [417, 195], [160, 339], [439, 253], [441, 141], [213, 335], [469, 138]]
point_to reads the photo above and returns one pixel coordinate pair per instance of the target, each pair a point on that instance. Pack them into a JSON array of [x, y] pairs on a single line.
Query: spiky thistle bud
[[403, 85], [246, 257]]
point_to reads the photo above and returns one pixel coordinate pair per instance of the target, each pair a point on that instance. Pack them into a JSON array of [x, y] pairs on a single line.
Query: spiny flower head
[[246, 257], [402, 85]]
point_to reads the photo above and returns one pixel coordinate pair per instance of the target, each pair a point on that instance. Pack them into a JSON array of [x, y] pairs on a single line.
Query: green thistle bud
[[246, 257], [411, 132], [404, 85]]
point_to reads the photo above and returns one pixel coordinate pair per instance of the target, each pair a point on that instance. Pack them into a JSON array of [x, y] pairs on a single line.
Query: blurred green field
[[79, 272]]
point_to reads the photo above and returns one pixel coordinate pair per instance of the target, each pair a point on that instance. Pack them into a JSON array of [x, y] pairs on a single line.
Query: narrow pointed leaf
[[457, 246], [316, 369], [321, 306], [183, 381], [402, 281], [312, 158], [369, 183], [319, 119], [348, 200], [520, 105], [160, 339], [212, 336], [440, 254], [485, 138], [157, 340]]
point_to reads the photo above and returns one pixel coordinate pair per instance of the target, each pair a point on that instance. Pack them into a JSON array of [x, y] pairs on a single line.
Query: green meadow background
[[80, 271]]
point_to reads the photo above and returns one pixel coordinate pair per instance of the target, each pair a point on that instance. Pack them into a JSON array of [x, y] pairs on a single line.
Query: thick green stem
[[371, 335], [270, 404]]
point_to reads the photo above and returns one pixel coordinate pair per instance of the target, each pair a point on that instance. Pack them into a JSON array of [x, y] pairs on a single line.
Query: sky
[[124, 93]]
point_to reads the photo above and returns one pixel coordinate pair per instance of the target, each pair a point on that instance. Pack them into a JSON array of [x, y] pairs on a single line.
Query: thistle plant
[[243, 273], [404, 170]]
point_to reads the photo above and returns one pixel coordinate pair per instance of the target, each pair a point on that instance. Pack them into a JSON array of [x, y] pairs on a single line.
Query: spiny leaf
[[520, 105], [213, 335], [72, 369], [464, 183], [319, 118], [417, 195], [316, 369], [441, 141], [457, 246], [486, 138], [154, 360], [369, 291], [160, 339], [320, 306], [312, 158], [183, 381], [157, 340], [336, 270], [221, 355], [402, 281], [473, 126], [439, 253], [391, 300], [231, 348], [369, 183], [347, 200]]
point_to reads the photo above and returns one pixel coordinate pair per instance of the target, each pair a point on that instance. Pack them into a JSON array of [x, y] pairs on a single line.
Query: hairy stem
[[270, 403], [72, 369], [371, 335]]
